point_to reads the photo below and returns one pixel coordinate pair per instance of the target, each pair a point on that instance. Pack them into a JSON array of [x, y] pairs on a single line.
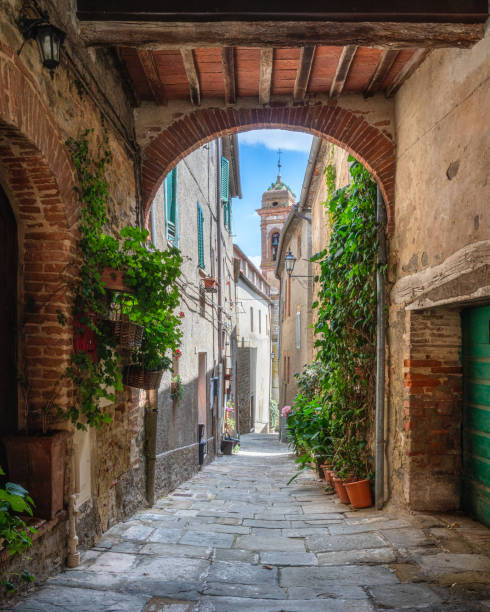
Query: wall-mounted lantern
[[289, 262], [49, 40]]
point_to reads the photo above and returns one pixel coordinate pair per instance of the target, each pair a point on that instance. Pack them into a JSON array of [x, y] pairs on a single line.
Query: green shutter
[[225, 180], [171, 205], [200, 237]]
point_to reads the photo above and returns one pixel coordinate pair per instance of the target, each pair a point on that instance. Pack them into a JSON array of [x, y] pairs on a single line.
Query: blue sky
[[258, 169]]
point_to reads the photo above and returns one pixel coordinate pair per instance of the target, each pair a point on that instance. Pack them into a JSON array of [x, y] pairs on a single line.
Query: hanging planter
[[210, 284], [129, 334], [359, 493], [136, 376]]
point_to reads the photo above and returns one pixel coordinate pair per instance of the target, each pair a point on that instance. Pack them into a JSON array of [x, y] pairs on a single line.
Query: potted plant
[[176, 388], [36, 457], [210, 284]]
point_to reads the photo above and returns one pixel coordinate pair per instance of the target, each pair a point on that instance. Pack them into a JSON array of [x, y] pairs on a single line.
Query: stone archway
[[38, 179], [370, 142]]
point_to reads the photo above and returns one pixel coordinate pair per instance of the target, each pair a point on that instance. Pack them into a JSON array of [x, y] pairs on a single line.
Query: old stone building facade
[[253, 307], [191, 211], [296, 289], [409, 100]]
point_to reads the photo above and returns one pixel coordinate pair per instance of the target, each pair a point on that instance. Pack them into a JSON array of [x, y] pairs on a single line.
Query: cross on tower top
[[279, 166]]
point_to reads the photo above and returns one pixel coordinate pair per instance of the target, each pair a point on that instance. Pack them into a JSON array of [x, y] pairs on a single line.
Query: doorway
[[8, 317], [476, 413], [201, 390]]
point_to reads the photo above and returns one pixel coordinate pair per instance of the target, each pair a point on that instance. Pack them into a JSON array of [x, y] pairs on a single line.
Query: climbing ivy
[[341, 407], [150, 274]]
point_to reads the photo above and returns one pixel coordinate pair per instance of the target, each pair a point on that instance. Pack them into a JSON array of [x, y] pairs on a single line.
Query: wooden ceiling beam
[[342, 72], [192, 76], [265, 81], [228, 62], [151, 73], [179, 35], [408, 69], [306, 58], [380, 73]]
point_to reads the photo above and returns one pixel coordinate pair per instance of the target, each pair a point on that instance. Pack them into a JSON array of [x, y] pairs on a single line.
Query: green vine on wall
[[148, 272], [332, 418]]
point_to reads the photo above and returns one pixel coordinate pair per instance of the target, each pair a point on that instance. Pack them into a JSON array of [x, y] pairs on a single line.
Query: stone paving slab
[[237, 537]]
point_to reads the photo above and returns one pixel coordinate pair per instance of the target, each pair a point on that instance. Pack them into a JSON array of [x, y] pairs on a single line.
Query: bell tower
[[276, 205]]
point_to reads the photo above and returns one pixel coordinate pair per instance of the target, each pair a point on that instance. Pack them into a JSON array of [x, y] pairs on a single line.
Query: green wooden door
[[476, 414]]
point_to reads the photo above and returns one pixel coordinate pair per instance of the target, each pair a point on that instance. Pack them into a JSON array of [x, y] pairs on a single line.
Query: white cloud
[[255, 259], [277, 139]]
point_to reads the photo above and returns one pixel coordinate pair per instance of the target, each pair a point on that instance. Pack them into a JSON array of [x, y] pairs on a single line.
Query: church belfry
[[276, 205]]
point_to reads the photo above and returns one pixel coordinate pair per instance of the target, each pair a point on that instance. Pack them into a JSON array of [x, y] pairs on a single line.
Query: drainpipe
[[380, 352], [220, 297], [151, 416]]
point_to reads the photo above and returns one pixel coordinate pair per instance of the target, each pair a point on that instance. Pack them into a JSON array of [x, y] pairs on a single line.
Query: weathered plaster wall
[[256, 377], [298, 233], [437, 257], [177, 425]]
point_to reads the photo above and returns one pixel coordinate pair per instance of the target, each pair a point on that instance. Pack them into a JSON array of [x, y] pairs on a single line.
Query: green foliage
[[332, 412], [150, 274], [14, 533], [178, 388], [273, 414]]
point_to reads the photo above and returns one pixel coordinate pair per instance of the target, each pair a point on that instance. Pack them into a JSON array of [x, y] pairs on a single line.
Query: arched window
[[275, 203], [274, 245]]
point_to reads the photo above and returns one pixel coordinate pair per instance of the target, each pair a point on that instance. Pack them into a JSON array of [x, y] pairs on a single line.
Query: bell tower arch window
[[274, 245]]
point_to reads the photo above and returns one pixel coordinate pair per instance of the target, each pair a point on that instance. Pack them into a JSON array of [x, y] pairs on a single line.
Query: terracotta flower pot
[[37, 462], [114, 280], [340, 490], [359, 493], [327, 473]]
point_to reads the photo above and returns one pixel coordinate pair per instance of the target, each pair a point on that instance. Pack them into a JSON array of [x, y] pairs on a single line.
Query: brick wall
[[432, 409]]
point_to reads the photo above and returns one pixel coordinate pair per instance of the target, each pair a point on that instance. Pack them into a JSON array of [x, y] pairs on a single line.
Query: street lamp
[[49, 39], [289, 262]]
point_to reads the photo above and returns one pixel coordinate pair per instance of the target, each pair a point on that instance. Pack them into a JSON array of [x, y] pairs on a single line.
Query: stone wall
[[37, 115]]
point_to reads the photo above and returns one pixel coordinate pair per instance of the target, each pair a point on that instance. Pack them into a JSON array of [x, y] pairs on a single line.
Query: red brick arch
[[344, 127], [37, 175]]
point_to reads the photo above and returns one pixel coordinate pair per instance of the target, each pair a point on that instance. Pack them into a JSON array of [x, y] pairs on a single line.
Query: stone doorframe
[[38, 178]]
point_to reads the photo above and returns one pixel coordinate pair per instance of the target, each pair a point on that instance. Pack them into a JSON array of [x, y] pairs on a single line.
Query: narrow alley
[[236, 537]]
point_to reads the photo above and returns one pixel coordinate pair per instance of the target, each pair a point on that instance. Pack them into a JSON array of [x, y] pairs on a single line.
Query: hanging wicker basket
[[130, 334], [138, 377]]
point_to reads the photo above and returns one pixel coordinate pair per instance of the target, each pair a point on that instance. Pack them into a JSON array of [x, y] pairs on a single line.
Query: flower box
[[210, 284], [114, 280]]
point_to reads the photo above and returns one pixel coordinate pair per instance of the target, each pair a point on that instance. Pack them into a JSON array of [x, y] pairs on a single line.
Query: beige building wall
[[438, 256]]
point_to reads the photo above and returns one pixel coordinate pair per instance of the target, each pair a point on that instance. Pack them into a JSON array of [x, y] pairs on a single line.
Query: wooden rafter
[[408, 69], [265, 82], [192, 76], [228, 61], [342, 72], [380, 73], [303, 75], [151, 73]]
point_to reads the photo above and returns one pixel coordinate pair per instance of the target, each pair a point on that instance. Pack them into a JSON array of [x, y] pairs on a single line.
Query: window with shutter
[[200, 237], [225, 179], [225, 192], [171, 206]]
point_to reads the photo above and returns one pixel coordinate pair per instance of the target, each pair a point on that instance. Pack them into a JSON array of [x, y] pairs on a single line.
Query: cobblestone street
[[236, 537]]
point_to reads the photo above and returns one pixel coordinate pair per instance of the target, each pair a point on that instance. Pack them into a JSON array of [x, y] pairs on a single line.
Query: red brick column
[[432, 410]]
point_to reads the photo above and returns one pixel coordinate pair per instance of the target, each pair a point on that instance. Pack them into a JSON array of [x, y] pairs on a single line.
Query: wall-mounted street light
[[49, 40], [289, 262]]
